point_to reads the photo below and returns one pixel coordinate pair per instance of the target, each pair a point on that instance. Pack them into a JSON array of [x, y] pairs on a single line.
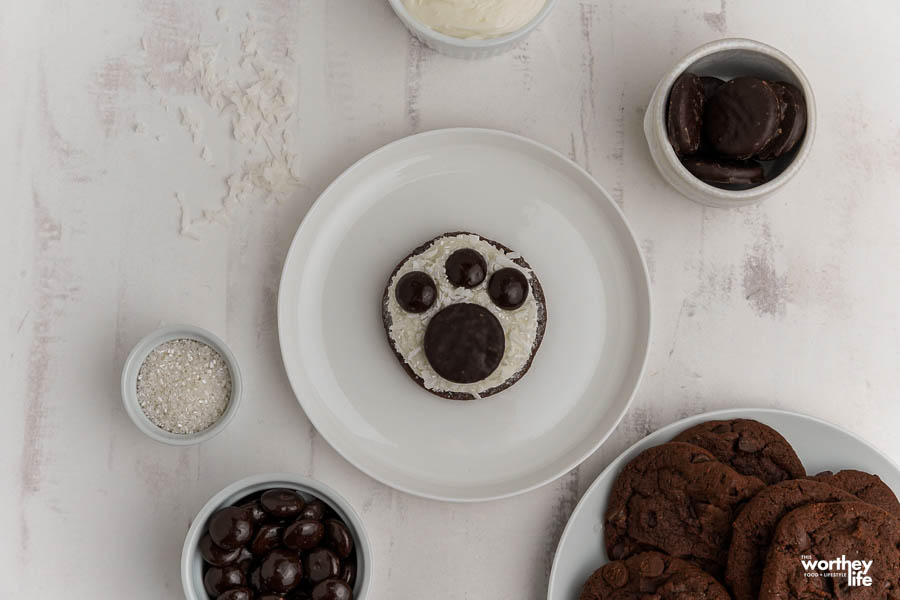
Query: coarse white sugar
[[184, 386]]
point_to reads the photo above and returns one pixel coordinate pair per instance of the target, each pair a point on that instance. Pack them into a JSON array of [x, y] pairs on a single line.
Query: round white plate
[[506, 188], [820, 445]]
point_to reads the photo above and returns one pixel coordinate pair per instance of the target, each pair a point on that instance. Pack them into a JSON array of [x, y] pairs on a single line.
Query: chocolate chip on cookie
[[749, 447], [679, 499], [652, 575], [755, 526], [853, 531], [865, 486]]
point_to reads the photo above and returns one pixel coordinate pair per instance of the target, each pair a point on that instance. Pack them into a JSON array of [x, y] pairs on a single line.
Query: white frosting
[[408, 329], [476, 19]]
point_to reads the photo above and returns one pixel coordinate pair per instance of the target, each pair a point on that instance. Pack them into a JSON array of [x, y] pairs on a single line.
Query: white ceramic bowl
[[727, 59], [192, 562], [467, 48], [133, 365]]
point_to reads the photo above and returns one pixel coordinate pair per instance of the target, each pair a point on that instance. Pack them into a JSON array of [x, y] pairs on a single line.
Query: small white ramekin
[[726, 59], [133, 366], [192, 562], [467, 48]]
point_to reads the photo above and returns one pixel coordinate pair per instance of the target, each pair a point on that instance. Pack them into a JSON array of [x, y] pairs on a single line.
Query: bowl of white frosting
[[471, 28]]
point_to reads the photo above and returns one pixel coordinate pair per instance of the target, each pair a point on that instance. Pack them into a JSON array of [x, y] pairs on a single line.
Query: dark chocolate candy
[[216, 556], [256, 512], [219, 580], [281, 571], [793, 122], [684, 121], [315, 510], [710, 85], [508, 288], [466, 268], [348, 571], [230, 527], [338, 538], [742, 117], [303, 535], [416, 292], [322, 564], [724, 171], [241, 593], [267, 538], [464, 343], [332, 589], [282, 503]]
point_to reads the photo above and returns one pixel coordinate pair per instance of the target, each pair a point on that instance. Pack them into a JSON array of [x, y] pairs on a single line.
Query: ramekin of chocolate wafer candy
[[731, 123], [276, 537]]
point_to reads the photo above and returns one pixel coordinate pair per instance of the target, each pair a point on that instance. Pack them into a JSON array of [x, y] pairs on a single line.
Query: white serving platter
[[821, 446], [508, 189]]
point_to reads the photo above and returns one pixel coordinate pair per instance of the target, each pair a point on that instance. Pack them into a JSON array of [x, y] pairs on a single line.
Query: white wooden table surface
[[793, 304]]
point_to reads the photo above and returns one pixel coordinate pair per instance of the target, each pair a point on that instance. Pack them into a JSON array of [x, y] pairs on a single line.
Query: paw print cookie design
[[465, 316]]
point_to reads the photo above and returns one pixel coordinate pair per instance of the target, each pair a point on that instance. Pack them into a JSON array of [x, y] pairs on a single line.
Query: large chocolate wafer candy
[[724, 171], [685, 119], [793, 122], [742, 117]]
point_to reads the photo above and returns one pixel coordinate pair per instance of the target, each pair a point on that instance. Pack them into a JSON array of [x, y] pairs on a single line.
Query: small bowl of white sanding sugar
[[181, 385]]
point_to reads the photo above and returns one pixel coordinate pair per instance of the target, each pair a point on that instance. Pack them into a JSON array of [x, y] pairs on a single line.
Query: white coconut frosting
[[407, 330], [475, 19]]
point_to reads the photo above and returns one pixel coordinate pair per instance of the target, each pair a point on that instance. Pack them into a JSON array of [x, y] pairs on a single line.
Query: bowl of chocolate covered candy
[[731, 123], [276, 537]]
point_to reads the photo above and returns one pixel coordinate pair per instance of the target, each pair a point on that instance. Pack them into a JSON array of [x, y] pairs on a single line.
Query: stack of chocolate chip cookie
[[726, 510]]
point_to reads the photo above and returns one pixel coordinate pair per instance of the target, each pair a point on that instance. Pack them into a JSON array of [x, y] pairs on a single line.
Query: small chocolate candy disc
[[267, 538], [742, 116], [256, 512], [338, 538], [508, 288], [322, 564], [240, 593], [464, 343], [281, 571], [315, 510], [415, 292], [332, 589], [724, 171], [793, 122], [466, 268], [348, 572], [219, 580], [303, 535], [282, 503], [216, 556], [685, 119], [230, 527]]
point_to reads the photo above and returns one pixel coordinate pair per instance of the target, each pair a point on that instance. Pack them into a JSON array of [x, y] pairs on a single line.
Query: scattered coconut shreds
[[253, 95]]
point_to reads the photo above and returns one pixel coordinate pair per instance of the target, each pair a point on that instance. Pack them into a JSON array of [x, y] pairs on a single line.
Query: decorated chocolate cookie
[[676, 498], [464, 315], [652, 575]]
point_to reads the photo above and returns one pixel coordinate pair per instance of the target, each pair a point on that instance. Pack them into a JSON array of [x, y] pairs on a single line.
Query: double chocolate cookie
[[676, 498], [839, 533], [652, 575], [749, 447], [464, 315], [755, 526], [865, 486]]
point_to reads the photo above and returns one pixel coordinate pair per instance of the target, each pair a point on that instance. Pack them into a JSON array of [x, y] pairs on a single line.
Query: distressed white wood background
[[792, 304]]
